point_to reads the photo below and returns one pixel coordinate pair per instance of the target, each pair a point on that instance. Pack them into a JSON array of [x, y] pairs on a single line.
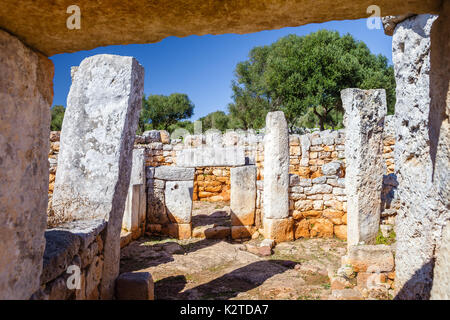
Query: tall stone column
[[136, 202], [26, 94], [97, 137], [364, 121], [277, 223], [421, 62]]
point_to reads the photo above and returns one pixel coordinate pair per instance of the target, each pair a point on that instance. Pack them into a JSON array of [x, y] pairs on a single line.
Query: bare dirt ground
[[222, 269]]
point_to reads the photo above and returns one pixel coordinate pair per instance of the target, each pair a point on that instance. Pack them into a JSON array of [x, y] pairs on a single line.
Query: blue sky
[[203, 66]]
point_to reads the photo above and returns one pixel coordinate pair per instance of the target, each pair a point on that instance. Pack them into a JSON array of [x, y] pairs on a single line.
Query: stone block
[[333, 168], [172, 173], [152, 136], [301, 229], [156, 207], [340, 231], [135, 286], [320, 227], [370, 258], [180, 231], [243, 195], [242, 232], [219, 232], [178, 199], [280, 230]]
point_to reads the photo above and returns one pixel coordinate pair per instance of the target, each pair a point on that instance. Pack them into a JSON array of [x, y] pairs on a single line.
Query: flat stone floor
[[222, 269]]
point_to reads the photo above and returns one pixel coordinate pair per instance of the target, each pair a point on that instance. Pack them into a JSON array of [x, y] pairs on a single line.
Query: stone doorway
[[209, 193], [211, 203]]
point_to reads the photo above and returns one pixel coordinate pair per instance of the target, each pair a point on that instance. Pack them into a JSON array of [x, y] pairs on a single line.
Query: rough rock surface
[[421, 156], [441, 280], [243, 195], [364, 121], [95, 159], [439, 115], [42, 24], [276, 167], [26, 95], [390, 22], [178, 197]]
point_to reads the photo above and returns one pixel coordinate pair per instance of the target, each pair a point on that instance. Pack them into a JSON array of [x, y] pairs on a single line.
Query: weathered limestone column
[[130, 221], [243, 195], [26, 95], [94, 164], [421, 63], [136, 202], [364, 121], [277, 223]]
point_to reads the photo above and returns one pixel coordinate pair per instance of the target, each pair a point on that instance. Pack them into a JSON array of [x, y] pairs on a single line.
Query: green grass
[[383, 240]]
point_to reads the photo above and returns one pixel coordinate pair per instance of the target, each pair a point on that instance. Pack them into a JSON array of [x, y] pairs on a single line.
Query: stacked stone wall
[[73, 261], [317, 199]]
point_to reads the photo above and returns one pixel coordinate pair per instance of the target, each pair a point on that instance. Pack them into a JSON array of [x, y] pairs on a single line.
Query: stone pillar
[[242, 198], [364, 121], [95, 160], [26, 95], [277, 224], [136, 202], [421, 63], [130, 221], [178, 197]]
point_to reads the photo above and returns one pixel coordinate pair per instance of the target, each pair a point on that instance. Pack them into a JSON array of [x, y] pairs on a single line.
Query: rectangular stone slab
[[25, 97], [138, 176], [173, 173], [211, 157], [178, 198], [130, 220], [364, 121], [243, 195], [97, 137], [276, 166]]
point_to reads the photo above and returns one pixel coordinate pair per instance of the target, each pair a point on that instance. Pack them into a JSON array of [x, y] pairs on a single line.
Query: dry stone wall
[[73, 261], [317, 199]]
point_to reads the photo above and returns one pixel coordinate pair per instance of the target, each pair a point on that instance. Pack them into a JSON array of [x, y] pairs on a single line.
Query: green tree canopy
[[303, 76], [159, 112], [57, 113], [215, 120]]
